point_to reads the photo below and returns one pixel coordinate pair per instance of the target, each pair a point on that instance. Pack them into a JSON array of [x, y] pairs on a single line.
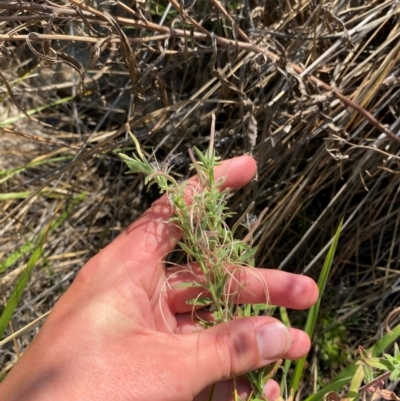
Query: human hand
[[120, 333]]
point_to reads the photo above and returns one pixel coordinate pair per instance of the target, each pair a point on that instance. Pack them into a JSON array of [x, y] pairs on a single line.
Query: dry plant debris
[[311, 89]]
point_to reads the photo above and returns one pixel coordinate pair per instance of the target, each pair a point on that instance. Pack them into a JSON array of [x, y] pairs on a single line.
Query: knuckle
[[230, 350]]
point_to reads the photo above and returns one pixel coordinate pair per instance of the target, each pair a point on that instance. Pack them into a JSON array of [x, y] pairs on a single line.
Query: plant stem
[[208, 241]]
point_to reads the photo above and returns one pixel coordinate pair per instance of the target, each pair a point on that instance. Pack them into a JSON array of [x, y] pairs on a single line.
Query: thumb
[[236, 347]]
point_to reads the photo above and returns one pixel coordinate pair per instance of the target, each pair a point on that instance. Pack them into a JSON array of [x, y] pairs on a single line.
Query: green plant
[[211, 244], [363, 369], [332, 342], [208, 241], [36, 246], [372, 371], [314, 310], [394, 363]]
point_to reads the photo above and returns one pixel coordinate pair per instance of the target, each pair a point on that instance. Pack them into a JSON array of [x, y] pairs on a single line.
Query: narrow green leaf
[[385, 342], [261, 307], [30, 244], [14, 119], [313, 313], [187, 285], [15, 256], [199, 301], [187, 250], [248, 256], [15, 296], [7, 174], [284, 316], [379, 363], [355, 383], [368, 373], [200, 155], [15, 195]]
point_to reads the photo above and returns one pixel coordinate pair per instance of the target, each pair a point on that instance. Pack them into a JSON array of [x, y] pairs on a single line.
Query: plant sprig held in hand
[[208, 241]]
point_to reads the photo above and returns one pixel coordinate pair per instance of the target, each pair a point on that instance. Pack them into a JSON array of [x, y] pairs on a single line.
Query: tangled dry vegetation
[[310, 88]]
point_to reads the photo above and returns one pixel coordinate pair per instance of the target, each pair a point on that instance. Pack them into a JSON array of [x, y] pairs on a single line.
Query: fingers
[[300, 344], [151, 237], [247, 286], [272, 390], [234, 348]]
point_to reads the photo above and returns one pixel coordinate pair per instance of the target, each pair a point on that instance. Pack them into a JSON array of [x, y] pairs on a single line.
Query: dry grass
[[311, 89]]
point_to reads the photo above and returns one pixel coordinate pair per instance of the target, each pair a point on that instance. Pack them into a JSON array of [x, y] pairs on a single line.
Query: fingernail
[[273, 340]]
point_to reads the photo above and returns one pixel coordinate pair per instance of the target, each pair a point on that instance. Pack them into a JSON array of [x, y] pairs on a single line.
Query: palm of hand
[[121, 333]]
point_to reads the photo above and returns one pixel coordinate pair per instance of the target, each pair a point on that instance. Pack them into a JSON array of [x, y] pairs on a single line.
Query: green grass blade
[[14, 195], [21, 284], [14, 119], [30, 244], [284, 316], [7, 174], [313, 313], [13, 85], [37, 247], [385, 342], [287, 364], [15, 256]]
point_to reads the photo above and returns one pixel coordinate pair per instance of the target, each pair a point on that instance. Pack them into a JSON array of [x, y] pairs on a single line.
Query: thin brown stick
[[72, 38]]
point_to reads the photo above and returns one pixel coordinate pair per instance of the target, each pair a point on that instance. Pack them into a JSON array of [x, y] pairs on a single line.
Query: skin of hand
[[112, 336]]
